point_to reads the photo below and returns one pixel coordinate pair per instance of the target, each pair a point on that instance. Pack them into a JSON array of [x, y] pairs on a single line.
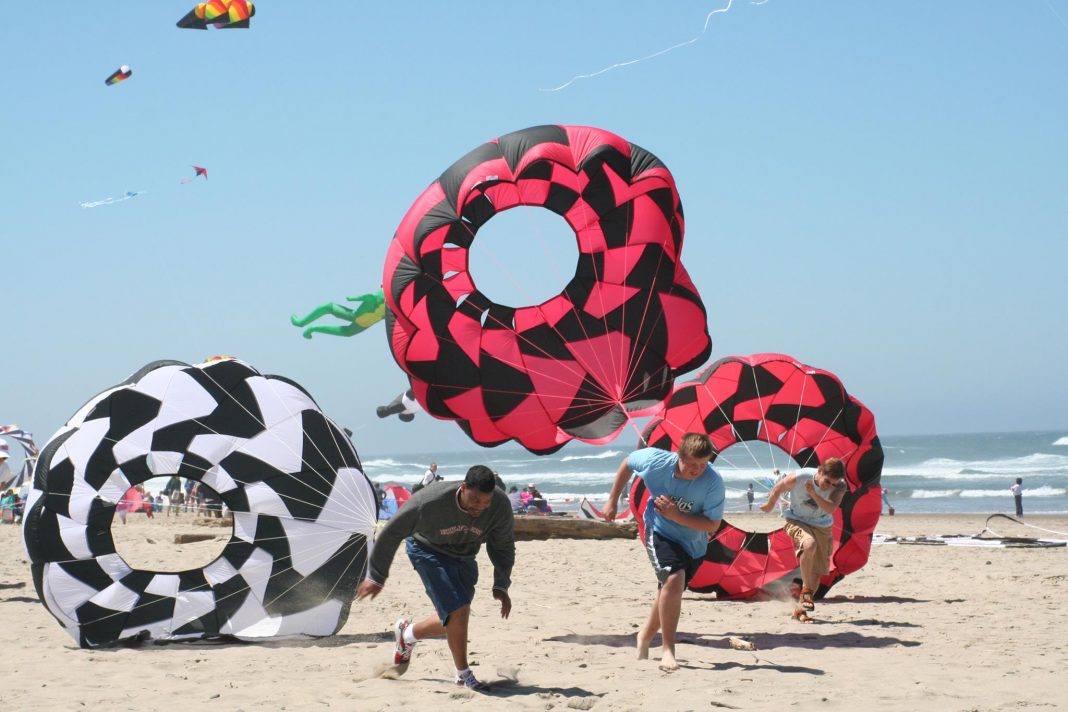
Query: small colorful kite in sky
[[118, 75], [117, 199], [221, 14], [199, 172]]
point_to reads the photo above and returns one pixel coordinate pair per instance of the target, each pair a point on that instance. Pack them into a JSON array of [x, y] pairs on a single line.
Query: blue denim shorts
[[450, 582]]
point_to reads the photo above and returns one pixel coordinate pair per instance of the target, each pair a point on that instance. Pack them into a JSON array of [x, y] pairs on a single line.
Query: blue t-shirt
[[704, 496]]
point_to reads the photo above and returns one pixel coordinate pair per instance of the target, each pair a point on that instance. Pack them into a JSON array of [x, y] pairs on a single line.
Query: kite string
[[986, 527], [658, 53]]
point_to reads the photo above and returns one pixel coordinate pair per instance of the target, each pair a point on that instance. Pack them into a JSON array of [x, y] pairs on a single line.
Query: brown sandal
[[806, 601], [801, 616]]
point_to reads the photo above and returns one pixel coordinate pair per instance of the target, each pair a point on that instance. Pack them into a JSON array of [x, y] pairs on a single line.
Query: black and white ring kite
[[304, 512]]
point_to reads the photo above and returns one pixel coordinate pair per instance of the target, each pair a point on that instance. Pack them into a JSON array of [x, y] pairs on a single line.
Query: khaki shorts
[[801, 532]]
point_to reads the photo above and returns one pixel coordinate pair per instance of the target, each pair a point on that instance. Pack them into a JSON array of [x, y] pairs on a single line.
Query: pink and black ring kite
[[807, 413], [608, 347]]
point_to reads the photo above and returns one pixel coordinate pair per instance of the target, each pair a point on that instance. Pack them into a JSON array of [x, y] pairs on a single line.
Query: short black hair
[[481, 478]]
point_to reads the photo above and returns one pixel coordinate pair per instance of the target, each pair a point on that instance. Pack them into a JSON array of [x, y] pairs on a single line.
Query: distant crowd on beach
[[190, 497]]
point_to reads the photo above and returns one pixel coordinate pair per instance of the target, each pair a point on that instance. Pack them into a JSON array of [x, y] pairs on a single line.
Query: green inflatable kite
[[370, 311]]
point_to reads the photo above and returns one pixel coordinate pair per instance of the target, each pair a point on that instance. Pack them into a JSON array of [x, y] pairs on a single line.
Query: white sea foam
[[999, 493], [1061, 441], [599, 456], [390, 462], [946, 468]]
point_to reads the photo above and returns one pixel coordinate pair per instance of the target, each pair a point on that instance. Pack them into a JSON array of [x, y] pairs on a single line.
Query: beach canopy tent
[[10, 479], [394, 497]]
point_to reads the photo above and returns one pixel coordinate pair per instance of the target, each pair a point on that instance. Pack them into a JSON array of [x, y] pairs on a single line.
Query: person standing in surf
[[686, 499], [1017, 495]]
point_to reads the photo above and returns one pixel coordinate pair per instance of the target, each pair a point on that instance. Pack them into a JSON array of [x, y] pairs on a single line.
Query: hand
[[810, 488], [666, 507], [367, 588], [506, 602], [767, 506], [609, 511]]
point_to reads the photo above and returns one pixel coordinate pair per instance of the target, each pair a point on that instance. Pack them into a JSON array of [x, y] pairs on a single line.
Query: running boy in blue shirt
[[686, 498]]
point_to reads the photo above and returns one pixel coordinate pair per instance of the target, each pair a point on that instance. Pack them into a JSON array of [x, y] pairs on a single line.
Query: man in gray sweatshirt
[[445, 524]]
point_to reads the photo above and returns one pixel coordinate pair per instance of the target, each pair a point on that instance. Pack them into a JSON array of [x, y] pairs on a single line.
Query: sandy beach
[[919, 628]]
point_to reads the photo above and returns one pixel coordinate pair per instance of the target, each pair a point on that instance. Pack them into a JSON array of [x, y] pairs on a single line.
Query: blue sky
[[877, 189]]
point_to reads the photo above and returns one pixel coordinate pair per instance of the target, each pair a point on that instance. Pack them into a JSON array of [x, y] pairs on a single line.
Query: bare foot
[[668, 662], [643, 647]]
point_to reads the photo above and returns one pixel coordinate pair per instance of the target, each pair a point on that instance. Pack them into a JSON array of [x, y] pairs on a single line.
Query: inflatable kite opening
[[201, 526], [580, 364], [541, 256], [807, 413], [303, 510]]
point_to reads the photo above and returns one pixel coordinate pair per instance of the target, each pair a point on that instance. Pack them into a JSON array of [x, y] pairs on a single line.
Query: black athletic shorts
[[668, 556]]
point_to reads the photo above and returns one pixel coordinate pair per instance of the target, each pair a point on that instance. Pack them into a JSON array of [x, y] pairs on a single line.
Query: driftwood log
[[533, 528], [227, 520], [190, 538]]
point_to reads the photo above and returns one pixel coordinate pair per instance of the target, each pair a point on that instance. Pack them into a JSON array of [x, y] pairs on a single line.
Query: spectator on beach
[[499, 483], [749, 496], [146, 501], [536, 500], [686, 499], [7, 506], [190, 485], [213, 503], [121, 508], [813, 499], [515, 498], [1017, 495], [176, 501], [444, 528], [174, 483], [431, 475]]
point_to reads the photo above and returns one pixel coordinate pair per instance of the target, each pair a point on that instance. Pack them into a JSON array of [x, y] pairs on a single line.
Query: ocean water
[[963, 473]]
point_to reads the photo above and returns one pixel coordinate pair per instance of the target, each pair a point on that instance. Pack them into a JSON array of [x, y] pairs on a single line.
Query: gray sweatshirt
[[434, 518]]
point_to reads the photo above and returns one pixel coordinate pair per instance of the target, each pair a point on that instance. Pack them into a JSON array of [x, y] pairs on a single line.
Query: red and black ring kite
[[807, 413], [578, 365]]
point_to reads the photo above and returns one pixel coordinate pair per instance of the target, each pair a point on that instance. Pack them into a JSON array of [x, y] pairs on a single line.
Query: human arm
[[506, 602], [781, 486], [623, 475], [400, 527], [500, 546], [666, 508], [828, 505]]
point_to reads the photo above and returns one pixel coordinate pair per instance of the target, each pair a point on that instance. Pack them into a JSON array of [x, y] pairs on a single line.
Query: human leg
[[456, 635], [652, 627], [809, 563], [674, 567], [670, 605], [450, 585]]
